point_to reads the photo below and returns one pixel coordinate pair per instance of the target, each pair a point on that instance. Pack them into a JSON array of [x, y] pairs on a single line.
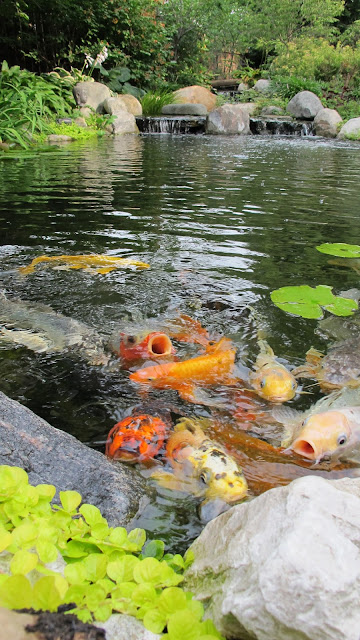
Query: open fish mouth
[[305, 448], [160, 345]]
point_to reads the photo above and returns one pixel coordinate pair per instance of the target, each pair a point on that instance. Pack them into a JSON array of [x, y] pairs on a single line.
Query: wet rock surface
[[53, 456], [230, 119], [123, 627], [285, 566]]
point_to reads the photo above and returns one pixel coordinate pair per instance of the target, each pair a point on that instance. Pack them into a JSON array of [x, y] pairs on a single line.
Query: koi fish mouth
[[305, 449], [160, 345]]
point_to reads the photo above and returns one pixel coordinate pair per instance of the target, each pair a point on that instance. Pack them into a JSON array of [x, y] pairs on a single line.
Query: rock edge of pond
[[52, 456]]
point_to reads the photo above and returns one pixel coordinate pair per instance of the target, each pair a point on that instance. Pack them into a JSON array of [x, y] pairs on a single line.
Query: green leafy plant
[[152, 103], [107, 568], [308, 302]]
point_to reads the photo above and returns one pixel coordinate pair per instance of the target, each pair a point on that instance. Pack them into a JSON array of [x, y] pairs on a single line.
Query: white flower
[[89, 61]]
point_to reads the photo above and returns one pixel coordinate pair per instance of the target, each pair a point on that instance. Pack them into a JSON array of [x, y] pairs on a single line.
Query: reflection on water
[[222, 222]]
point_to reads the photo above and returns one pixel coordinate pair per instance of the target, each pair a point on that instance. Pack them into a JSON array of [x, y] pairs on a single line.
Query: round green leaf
[[95, 565], [16, 593], [143, 593], [75, 573], [23, 562], [154, 549], [5, 539], [47, 551], [148, 570], [91, 514], [70, 500], [340, 249], [154, 621], [45, 594], [183, 625], [122, 570], [171, 600], [342, 306], [118, 536]]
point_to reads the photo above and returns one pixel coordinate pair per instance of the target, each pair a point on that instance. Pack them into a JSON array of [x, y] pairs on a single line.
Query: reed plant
[[153, 102]]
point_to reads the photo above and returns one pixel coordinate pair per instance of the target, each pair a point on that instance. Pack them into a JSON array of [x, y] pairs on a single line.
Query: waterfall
[[171, 124], [281, 127]]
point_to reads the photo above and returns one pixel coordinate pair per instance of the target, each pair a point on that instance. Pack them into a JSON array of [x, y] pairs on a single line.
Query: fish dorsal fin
[[345, 397], [265, 349]]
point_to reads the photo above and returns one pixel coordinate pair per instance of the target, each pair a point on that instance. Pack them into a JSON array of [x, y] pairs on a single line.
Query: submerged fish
[[130, 347], [205, 370], [39, 328], [328, 431], [270, 379], [91, 262], [136, 438], [340, 367], [201, 467]]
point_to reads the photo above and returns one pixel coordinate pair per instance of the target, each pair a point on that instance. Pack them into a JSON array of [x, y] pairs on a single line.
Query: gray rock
[[284, 566], [271, 111], [64, 120], [351, 128], [326, 123], [114, 105], [85, 112], [184, 109], [53, 456], [304, 105], [262, 86], [122, 627], [91, 94], [230, 119], [53, 137], [124, 123], [80, 122], [242, 87]]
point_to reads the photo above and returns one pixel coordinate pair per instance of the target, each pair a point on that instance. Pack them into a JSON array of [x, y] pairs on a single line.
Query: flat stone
[[304, 105], [351, 128], [55, 457], [80, 122], [285, 566], [184, 109], [64, 120], [53, 137]]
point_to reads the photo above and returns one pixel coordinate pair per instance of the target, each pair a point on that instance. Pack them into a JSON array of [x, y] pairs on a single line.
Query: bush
[[287, 87], [107, 569]]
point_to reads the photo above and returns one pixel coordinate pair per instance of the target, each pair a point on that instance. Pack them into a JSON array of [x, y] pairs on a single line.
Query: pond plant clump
[[106, 569]]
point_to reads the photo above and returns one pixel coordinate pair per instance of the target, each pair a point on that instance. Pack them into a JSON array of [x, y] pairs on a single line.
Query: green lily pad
[[340, 249], [309, 302]]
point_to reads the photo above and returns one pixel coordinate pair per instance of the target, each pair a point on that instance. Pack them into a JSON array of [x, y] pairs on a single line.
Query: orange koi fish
[[132, 347], [205, 370], [136, 438], [186, 329], [270, 379]]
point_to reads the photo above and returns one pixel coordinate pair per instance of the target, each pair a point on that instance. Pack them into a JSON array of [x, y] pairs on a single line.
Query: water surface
[[222, 222]]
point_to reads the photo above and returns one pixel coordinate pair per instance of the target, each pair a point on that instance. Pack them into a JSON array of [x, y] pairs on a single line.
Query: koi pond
[[222, 221]]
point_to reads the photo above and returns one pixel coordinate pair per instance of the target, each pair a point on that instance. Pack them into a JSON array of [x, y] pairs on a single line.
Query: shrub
[[152, 103], [107, 569]]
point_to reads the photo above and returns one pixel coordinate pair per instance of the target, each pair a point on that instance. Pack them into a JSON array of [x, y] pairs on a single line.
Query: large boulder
[[351, 128], [304, 105], [230, 119], [114, 105], [124, 122], [55, 457], [132, 104], [326, 123], [184, 109], [196, 94], [284, 566], [262, 86], [91, 94]]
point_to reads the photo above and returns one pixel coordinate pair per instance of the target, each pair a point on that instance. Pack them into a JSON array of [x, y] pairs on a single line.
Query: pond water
[[222, 222]]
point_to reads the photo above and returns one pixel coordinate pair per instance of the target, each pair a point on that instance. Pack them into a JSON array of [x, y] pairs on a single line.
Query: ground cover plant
[[107, 570]]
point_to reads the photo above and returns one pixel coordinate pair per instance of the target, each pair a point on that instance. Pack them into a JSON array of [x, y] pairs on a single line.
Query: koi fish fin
[[193, 394], [313, 356], [288, 417], [265, 349], [37, 342], [168, 480]]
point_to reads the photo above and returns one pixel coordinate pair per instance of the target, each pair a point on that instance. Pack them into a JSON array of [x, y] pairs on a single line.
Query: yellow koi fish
[[201, 466], [270, 379], [91, 262]]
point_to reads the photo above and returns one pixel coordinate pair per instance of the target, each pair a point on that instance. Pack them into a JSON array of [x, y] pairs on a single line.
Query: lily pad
[[340, 249], [309, 302]]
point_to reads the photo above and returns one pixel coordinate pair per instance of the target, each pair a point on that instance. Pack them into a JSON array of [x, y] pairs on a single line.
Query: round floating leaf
[[340, 249], [307, 302]]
